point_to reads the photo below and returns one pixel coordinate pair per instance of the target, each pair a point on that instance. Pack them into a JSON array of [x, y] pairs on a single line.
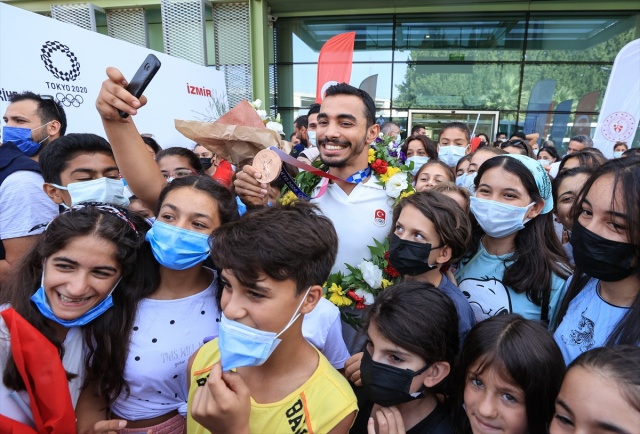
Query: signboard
[[69, 63], [620, 112]]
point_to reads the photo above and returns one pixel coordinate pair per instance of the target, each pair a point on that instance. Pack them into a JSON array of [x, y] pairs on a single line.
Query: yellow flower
[[390, 172], [335, 289], [340, 300], [386, 283], [337, 296], [406, 194], [289, 198], [372, 156]]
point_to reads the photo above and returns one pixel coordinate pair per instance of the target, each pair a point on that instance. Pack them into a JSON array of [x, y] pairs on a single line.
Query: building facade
[[486, 62]]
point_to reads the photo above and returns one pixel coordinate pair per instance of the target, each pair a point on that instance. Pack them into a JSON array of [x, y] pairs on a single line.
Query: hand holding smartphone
[[142, 78]]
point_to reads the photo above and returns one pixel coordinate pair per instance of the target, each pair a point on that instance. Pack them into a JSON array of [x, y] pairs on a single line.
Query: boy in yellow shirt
[[271, 276]]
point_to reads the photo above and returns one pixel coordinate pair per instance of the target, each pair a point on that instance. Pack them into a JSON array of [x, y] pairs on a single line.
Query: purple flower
[[403, 157], [393, 153], [379, 140]]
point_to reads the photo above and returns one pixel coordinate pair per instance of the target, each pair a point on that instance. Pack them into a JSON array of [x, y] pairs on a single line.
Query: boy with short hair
[[75, 160], [270, 278]]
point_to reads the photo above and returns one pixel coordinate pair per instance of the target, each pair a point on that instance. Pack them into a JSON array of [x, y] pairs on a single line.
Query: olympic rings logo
[[69, 100]]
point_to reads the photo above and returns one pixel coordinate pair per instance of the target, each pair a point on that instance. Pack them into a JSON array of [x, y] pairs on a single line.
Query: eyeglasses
[[53, 101], [180, 173]]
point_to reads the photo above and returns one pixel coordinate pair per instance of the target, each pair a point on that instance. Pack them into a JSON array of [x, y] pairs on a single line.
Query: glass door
[[478, 121]]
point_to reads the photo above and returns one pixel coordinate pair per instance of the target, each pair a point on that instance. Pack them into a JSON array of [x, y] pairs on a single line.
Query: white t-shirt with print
[[165, 334]]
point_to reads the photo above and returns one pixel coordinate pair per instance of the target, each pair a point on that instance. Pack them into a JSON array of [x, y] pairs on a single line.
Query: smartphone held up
[[142, 78]]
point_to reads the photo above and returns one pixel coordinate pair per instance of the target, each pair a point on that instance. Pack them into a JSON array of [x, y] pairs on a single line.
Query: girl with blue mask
[[418, 150], [453, 143], [77, 287], [516, 263], [175, 317]]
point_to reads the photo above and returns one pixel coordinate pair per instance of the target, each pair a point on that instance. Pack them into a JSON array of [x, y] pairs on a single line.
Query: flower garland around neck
[[358, 288], [389, 171]]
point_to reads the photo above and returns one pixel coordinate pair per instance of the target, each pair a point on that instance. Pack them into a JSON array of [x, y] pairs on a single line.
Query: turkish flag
[[40, 367], [334, 62]]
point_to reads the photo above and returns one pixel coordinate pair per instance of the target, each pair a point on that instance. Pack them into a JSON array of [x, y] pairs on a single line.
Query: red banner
[[334, 62], [45, 379]]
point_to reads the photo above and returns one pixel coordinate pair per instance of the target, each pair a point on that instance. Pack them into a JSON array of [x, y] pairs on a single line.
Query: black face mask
[[206, 163], [599, 257], [387, 385], [410, 258]]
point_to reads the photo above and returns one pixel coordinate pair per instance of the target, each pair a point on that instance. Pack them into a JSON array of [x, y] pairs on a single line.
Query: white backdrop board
[[620, 111], [49, 57]]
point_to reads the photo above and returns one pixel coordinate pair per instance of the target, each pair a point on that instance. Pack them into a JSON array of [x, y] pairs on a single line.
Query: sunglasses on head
[[516, 143], [53, 101]]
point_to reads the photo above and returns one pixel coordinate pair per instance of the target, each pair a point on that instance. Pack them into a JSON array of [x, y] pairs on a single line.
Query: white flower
[[368, 297], [262, 114], [275, 126], [371, 274], [256, 104], [396, 184]]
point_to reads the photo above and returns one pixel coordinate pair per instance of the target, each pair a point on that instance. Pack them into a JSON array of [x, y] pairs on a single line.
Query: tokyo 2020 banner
[[69, 63]]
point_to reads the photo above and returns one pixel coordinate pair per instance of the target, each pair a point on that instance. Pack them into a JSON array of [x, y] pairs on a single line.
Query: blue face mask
[[41, 302], [466, 180], [418, 162], [177, 248], [21, 137], [451, 154], [103, 189], [461, 179], [241, 345]]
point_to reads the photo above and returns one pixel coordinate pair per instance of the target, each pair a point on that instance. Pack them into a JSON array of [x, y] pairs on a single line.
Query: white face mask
[[104, 189], [617, 154], [544, 162], [535, 152], [498, 219], [312, 138], [451, 154], [466, 180], [418, 162]]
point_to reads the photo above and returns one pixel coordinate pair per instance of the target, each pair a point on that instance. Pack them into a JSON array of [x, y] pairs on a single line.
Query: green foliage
[[495, 86]]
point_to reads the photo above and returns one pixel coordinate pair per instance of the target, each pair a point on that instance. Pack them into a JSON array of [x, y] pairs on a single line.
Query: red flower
[[392, 272], [380, 166], [359, 300]]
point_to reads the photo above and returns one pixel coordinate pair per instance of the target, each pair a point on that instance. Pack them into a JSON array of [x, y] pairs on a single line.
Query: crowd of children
[[158, 308]]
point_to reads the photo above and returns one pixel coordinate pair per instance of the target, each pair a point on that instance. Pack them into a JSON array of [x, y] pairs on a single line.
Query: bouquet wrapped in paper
[[237, 135]]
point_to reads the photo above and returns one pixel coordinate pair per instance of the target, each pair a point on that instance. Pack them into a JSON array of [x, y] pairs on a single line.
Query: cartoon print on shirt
[[487, 296], [583, 335]]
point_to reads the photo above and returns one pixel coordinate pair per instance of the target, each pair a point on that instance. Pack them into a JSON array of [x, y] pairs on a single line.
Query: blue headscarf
[[541, 177]]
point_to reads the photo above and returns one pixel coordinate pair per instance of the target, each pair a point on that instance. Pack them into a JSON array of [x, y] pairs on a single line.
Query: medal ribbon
[[356, 178]]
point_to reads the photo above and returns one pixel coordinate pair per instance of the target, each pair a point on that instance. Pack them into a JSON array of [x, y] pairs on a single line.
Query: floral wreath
[[363, 283]]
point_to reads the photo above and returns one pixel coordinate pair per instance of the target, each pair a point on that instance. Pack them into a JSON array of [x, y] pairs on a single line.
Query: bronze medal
[[268, 163]]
